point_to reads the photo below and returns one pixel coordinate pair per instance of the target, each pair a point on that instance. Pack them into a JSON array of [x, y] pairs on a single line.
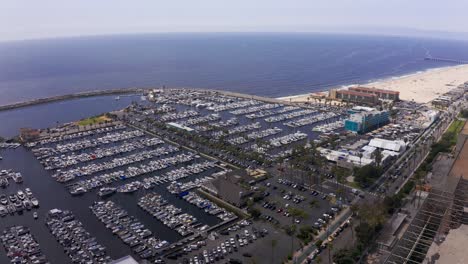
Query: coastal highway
[[418, 151]]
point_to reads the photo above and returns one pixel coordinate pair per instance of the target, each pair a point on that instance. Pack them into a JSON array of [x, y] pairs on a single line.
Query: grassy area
[[93, 120], [454, 129]]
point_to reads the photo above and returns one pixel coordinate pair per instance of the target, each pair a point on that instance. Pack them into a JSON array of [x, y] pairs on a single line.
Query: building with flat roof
[[125, 260], [354, 97], [380, 93], [231, 187], [366, 121], [179, 126]]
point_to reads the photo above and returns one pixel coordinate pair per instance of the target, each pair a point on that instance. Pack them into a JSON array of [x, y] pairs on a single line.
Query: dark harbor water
[[270, 64], [51, 114], [52, 194]]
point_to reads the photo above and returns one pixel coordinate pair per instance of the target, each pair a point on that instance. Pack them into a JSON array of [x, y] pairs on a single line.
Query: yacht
[[27, 204], [4, 182], [3, 199], [3, 211], [21, 195], [78, 191], [35, 202], [129, 188], [17, 177], [35, 215], [106, 191]]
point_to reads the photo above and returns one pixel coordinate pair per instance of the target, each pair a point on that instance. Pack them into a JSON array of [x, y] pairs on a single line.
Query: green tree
[[297, 213], [254, 212], [377, 155], [366, 175], [314, 204], [343, 256]]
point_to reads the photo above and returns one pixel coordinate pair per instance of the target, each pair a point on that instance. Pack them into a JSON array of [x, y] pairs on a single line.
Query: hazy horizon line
[[369, 31]]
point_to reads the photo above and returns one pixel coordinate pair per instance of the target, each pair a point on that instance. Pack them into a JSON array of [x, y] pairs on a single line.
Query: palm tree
[[340, 191], [377, 156], [273, 245], [330, 247], [292, 231], [360, 158]]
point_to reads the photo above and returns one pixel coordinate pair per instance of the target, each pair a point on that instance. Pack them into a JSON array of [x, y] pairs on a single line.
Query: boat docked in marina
[[3, 211], [21, 195], [106, 191], [3, 199], [34, 202], [129, 187], [78, 191], [17, 177], [4, 182]]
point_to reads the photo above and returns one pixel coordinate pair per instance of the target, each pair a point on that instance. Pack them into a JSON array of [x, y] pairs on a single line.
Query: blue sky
[[25, 19]]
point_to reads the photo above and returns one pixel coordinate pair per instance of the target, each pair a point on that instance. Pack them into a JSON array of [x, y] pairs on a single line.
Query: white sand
[[453, 249], [426, 86], [420, 87]]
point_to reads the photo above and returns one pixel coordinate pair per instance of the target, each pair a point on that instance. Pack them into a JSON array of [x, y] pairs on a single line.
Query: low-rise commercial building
[[354, 97], [380, 93]]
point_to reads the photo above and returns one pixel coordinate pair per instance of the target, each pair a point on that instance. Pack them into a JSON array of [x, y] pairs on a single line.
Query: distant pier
[[446, 60]]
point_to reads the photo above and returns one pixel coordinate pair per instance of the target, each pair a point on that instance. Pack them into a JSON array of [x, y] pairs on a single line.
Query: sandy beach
[[420, 87]]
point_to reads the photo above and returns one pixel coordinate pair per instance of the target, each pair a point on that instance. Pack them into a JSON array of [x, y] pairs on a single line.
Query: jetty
[[72, 96], [437, 59]]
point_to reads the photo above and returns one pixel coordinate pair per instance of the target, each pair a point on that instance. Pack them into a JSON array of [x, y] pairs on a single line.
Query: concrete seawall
[[70, 96], [129, 91]]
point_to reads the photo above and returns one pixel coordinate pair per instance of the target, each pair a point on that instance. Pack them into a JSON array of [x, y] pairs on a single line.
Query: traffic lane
[[345, 240]]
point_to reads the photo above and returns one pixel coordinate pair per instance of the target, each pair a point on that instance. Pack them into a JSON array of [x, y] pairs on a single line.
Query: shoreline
[[405, 84], [443, 80]]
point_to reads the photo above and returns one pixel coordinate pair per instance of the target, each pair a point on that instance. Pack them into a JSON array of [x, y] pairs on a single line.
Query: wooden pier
[[446, 60]]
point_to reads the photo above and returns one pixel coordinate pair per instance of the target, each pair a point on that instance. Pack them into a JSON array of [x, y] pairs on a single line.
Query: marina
[[171, 216], [78, 244], [169, 177], [21, 247], [132, 232]]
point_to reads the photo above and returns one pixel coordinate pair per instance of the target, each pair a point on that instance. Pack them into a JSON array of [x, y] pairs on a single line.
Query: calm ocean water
[[262, 64]]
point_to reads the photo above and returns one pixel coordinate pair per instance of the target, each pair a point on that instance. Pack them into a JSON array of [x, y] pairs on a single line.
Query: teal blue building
[[364, 122]]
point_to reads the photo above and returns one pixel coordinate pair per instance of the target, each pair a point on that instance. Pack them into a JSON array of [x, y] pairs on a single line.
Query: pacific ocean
[[267, 64]]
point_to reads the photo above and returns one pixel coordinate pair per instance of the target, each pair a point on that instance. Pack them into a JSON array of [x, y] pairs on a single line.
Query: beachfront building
[[442, 101], [380, 93], [354, 97], [363, 122]]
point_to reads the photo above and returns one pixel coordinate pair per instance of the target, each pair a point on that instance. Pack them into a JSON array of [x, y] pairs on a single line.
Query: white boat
[[106, 191], [35, 215], [35, 202]]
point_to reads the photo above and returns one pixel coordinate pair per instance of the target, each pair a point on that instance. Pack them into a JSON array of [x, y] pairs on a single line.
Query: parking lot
[[284, 198], [240, 243]]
